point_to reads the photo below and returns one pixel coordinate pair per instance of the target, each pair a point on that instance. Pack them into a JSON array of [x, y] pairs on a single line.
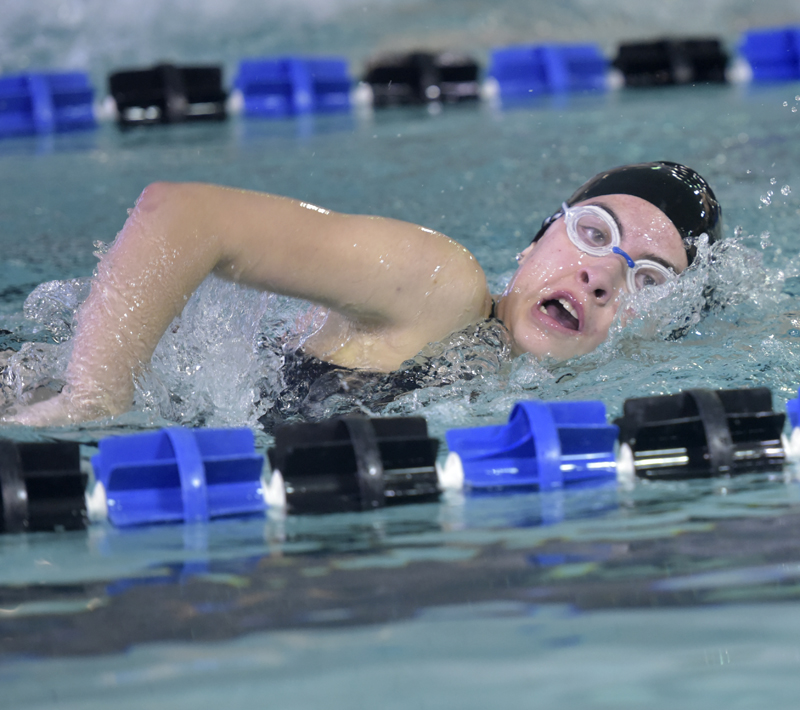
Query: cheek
[[605, 317], [543, 266]]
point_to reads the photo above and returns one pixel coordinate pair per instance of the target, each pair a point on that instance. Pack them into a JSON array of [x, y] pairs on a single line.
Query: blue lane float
[[792, 442], [532, 70], [355, 463], [177, 475], [773, 54], [545, 445], [291, 86], [40, 103], [793, 411]]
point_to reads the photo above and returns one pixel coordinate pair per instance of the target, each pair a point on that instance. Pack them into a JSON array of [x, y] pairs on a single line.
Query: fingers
[[56, 411]]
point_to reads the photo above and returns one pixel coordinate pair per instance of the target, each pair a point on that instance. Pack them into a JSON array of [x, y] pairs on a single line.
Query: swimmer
[[390, 287]]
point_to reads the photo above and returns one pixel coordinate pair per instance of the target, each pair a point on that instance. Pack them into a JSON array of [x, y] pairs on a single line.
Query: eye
[[594, 232], [647, 276]]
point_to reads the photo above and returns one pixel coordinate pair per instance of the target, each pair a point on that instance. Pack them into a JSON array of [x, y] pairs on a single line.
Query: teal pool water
[[671, 593], [682, 594], [483, 176]]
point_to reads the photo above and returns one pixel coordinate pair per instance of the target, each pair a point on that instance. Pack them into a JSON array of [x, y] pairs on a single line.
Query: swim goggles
[[594, 231]]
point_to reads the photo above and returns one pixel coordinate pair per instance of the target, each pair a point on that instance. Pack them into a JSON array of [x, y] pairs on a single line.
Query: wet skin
[[391, 287], [579, 292]]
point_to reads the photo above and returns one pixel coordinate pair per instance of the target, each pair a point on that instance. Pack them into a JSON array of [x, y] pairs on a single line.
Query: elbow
[[166, 220], [157, 195], [172, 222], [168, 210]]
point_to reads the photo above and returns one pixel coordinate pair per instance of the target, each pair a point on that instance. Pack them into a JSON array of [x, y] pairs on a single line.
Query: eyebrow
[[659, 260], [647, 257], [613, 214]]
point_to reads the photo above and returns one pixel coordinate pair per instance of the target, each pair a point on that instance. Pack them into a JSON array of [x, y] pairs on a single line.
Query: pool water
[[486, 177], [659, 596], [671, 593]]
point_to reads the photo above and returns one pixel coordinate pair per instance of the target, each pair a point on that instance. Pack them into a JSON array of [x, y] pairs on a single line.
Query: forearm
[[399, 284], [157, 261]]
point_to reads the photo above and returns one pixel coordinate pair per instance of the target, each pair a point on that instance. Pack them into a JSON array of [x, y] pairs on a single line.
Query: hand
[[61, 410]]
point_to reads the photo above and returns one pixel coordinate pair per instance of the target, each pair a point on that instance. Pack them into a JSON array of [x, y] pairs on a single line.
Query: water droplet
[[772, 181], [766, 199], [786, 190], [794, 109], [785, 103]]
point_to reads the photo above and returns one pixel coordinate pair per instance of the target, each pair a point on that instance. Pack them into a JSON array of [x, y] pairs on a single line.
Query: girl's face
[[562, 301]]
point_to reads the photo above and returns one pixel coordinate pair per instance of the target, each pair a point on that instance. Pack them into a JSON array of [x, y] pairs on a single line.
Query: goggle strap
[[552, 218]]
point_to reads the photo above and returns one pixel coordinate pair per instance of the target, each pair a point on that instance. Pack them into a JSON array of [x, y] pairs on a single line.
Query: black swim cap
[[679, 192]]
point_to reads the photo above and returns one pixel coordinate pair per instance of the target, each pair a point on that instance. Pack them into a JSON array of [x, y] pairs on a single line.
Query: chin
[[542, 348]]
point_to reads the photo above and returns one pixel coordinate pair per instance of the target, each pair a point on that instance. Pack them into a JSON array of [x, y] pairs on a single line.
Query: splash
[[727, 322], [208, 368], [52, 306], [36, 370]]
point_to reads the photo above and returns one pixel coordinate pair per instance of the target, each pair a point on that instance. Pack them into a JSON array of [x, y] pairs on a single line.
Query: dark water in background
[[98, 36]]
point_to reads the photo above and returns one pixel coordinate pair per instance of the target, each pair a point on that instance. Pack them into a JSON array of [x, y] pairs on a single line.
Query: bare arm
[[398, 285]]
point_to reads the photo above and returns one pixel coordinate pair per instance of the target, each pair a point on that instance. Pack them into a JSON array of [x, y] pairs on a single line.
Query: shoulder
[[444, 291]]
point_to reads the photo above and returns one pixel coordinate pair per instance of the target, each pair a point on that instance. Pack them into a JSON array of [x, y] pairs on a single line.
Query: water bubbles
[[767, 199], [212, 368], [52, 306], [721, 311], [34, 373], [100, 249], [208, 368]]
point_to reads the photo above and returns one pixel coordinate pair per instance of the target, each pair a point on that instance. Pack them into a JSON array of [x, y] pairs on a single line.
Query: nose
[[602, 279]]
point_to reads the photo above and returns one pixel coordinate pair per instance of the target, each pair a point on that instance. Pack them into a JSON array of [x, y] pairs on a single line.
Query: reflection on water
[[658, 546]]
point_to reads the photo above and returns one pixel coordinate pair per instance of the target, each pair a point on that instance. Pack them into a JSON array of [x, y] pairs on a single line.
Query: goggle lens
[[594, 231], [646, 274]]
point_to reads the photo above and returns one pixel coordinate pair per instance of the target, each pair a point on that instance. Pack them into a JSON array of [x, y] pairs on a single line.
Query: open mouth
[[561, 311]]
